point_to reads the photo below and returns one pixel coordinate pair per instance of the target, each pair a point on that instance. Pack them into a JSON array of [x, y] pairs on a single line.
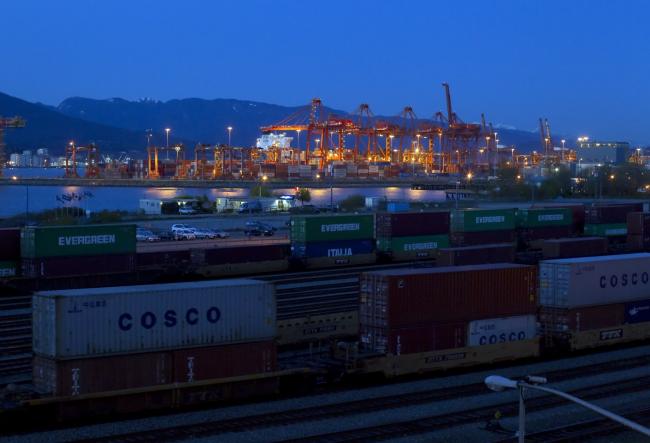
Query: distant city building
[[267, 141], [594, 151], [28, 159]]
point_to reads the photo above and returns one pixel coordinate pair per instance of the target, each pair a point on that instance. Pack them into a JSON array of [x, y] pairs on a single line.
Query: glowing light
[[14, 178]]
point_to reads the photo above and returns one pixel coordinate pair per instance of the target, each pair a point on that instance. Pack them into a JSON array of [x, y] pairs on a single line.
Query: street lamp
[[264, 178], [229, 128], [298, 131], [167, 145], [563, 142], [498, 383]]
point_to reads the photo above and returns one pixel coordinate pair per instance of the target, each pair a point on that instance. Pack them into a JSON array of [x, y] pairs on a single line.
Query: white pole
[[522, 416]]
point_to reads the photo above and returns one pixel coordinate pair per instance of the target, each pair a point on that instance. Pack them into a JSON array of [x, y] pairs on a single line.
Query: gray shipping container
[[104, 321], [587, 281]]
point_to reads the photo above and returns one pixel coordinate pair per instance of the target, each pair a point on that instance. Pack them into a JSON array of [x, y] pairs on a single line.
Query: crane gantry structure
[[443, 144]]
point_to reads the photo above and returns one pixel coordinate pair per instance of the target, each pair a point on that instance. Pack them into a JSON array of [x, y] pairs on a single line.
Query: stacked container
[[609, 220], [574, 247], [333, 239], [482, 226], [408, 311], [589, 293], [412, 235], [577, 214], [9, 252], [476, 255], [57, 251], [638, 231], [102, 339], [543, 223]]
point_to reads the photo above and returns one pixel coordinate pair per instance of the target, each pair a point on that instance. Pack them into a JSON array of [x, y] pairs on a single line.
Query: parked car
[[177, 226], [250, 207], [146, 235], [184, 234], [220, 234], [256, 229], [187, 210], [203, 233]]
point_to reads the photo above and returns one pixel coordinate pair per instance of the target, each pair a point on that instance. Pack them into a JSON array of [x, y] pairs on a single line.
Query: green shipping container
[[413, 244], [544, 217], [8, 269], [478, 220], [606, 230], [67, 241], [333, 227]]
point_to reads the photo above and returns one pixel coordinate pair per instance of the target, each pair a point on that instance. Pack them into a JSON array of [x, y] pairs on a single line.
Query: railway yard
[[346, 327]]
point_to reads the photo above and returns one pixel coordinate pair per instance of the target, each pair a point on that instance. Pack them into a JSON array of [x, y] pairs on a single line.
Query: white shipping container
[[501, 330], [587, 281], [118, 320]]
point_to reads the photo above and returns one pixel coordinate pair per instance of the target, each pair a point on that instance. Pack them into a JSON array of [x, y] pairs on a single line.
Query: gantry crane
[[92, 160], [5, 123]]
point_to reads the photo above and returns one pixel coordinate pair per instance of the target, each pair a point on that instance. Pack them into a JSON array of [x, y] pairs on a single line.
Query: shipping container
[[318, 228], [76, 265], [10, 244], [574, 247], [544, 217], [198, 364], [425, 338], [241, 254], [66, 241], [638, 223], [341, 248], [102, 374], [476, 255], [411, 224], [501, 330], [411, 297], [637, 311], [398, 206], [542, 233], [586, 318], [163, 259], [611, 213], [638, 242], [587, 281], [479, 220], [606, 230], [577, 214], [482, 237], [9, 268], [423, 243], [152, 317]]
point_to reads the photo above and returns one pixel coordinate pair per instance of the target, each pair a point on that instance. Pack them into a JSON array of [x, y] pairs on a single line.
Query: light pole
[[457, 190], [498, 383], [264, 178], [563, 142], [167, 145], [298, 131], [229, 128]]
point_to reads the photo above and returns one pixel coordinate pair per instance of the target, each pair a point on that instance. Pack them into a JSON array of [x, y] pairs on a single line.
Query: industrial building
[[595, 151]]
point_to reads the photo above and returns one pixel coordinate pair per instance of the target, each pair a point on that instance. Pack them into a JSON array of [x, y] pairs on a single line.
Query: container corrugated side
[[476, 255], [587, 281], [606, 230], [340, 248], [478, 220], [411, 297], [638, 222], [311, 228], [76, 265], [544, 217], [152, 317], [501, 330], [574, 247], [103, 374], [10, 244], [412, 224], [413, 244], [426, 338], [637, 311], [65, 241]]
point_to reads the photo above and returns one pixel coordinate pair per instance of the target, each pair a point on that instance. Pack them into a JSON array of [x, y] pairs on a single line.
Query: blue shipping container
[[342, 248], [637, 311]]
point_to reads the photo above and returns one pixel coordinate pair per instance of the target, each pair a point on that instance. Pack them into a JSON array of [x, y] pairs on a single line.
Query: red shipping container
[[9, 244], [412, 224], [482, 237], [242, 254], [102, 374], [476, 255], [545, 232], [224, 361], [611, 213], [574, 247], [638, 223], [81, 265], [162, 259], [596, 317], [412, 340], [399, 298]]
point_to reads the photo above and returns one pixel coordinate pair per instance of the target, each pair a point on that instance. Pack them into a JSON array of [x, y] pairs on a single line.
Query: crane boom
[[450, 115]]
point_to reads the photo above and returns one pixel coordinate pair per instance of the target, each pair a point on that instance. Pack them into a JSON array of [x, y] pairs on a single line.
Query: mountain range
[[120, 125]]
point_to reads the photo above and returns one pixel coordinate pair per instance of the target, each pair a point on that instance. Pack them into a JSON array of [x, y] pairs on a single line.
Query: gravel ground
[[406, 413]]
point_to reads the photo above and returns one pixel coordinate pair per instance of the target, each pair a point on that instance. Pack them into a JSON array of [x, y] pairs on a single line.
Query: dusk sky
[[582, 64]]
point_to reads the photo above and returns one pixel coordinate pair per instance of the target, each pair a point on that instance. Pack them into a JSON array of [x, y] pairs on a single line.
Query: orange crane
[[6, 123], [92, 160]]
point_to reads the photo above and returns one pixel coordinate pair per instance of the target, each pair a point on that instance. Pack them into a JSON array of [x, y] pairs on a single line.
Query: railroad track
[[15, 339], [598, 427], [294, 416]]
